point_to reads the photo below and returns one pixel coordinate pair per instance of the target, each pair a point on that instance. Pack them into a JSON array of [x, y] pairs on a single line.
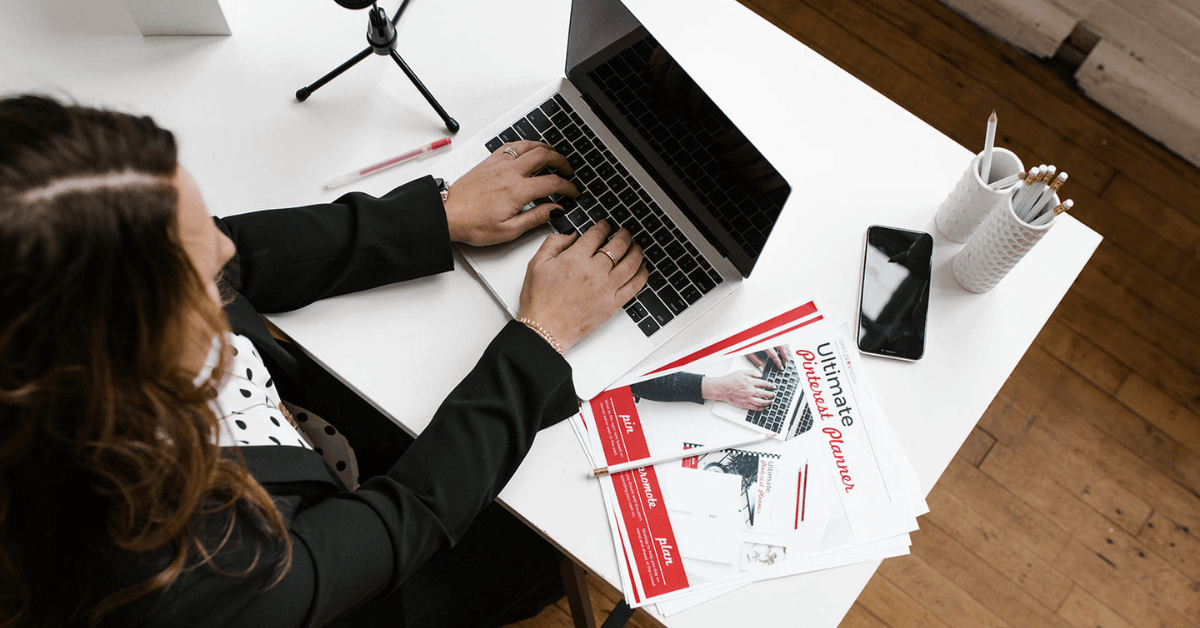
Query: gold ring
[[510, 151], [611, 257]]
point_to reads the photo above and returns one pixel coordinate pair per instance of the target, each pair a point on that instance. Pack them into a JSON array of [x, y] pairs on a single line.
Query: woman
[[118, 296]]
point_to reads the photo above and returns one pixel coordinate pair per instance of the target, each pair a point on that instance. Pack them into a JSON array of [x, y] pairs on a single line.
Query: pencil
[[1048, 216], [1011, 179], [679, 455], [985, 168]]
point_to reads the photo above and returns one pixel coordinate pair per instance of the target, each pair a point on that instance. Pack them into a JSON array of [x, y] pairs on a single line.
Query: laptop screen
[[678, 134]]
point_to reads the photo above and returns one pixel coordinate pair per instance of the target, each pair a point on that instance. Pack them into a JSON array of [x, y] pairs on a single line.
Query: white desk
[[853, 157]]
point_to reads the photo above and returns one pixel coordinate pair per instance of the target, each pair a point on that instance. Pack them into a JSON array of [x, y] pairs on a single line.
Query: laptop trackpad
[[502, 267]]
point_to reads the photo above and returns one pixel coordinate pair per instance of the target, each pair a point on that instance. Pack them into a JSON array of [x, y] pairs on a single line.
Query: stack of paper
[[830, 488]]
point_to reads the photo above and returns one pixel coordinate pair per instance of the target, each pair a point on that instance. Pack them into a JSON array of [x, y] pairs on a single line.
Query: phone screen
[[894, 298]]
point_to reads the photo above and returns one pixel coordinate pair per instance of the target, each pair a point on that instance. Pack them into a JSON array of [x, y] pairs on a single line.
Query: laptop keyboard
[[688, 140], [786, 380], [679, 275]]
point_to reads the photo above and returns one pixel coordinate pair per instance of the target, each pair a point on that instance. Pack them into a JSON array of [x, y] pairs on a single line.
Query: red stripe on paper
[[799, 483], [783, 319], [659, 567], [804, 500], [776, 335]]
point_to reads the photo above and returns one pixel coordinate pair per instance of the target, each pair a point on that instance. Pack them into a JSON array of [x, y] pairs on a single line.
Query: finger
[[619, 243], [755, 360], [776, 357], [538, 155], [526, 220], [630, 264], [520, 147], [552, 247], [761, 403], [589, 242], [634, 285], [547, 184]]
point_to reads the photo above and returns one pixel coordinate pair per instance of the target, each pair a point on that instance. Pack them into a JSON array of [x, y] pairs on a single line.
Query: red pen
[[415, 153]]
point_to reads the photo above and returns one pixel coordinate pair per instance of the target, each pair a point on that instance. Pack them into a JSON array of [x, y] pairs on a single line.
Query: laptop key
[[687, 263], [656, 281], [648, 326], [609, 200], [672, 300], [585, 174], [586, 200], [539, 120], [658, 311], [584, 145], [550, 107], [627, 195], [526, 130], [654, 252], [569, 130], [494, 144], [594, 158], [691, 294], [562, 224], [644, 239], [679, 281], [510, 135], [635, 310], [675, 250], [605, 170], [552, 136]]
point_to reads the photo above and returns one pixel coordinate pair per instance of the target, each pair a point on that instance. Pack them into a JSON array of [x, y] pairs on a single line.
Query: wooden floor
[[1074, 500]]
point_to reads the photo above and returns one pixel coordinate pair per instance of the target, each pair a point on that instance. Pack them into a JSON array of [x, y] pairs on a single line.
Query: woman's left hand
[[484, 205]]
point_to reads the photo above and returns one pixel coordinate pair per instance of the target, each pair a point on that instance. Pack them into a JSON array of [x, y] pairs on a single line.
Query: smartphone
[[893, 299]]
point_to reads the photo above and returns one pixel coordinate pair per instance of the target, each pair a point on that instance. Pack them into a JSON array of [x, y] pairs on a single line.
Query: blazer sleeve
[[354, 545], [349, 547], [288, 258], [674, 387]]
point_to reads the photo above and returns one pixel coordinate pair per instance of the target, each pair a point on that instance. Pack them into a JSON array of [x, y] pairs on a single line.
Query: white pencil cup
[[999, 243], [971, 200]]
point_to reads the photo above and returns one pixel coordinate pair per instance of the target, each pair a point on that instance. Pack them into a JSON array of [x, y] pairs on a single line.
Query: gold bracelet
[[541, 331]]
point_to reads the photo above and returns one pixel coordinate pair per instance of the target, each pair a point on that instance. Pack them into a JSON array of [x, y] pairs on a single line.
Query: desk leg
[[577, 594]]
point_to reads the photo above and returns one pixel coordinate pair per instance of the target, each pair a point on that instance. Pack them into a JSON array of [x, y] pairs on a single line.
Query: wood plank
[[883, 598], [1175, 542], [1045, 483], [1134, 198], [1083, 356], [1177, 340], [1159, 409], [1147, 283], [1089, 319], [859, 617], [1130, 234], [1083, 610], [1063, 488], [976, 447], [937, 594], [1189, 275], [1003, 530], [1126, 436], [1099, 576], [979, 578]]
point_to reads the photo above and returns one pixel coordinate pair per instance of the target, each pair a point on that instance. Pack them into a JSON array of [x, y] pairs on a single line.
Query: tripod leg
[[303, 93], [451, 124]]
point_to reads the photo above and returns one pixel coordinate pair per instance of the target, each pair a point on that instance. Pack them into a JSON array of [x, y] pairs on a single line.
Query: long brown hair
[[106, 440]]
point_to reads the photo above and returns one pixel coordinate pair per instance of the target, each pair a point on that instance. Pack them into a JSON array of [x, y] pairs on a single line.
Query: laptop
[[787, 416], [651, 153]]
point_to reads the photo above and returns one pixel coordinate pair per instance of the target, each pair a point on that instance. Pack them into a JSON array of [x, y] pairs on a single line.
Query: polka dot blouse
[[253, 415]]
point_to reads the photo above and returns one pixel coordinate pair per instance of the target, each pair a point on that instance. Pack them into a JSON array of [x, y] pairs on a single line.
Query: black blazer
[[349, 547]]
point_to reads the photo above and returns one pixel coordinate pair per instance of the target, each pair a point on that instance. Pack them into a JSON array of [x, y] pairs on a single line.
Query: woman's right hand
[[743, 389], [572, 287]]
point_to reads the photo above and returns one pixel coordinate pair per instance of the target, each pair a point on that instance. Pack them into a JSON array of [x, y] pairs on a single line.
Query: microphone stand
[[381, 35]]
